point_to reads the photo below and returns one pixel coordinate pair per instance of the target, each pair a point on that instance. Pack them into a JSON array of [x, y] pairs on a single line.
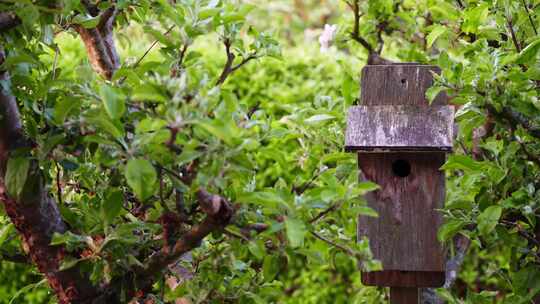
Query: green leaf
[[4, 232], [113, 101], [103, 122], [433, 92], [449, 229], [16, 174], [218, 129], [141, 177], [365, 187], [112, 206], [64, 107], [86, 21], [349, 89], [529, 53], [208, 13], [366, 211], [319, 118], [435, 33], [526, 280], [70, 239], [264, 198], [69, 262], [296, 231], [473, 18], [488, 219], [270, 267], [257, 249], [462, 162], [27, 289]]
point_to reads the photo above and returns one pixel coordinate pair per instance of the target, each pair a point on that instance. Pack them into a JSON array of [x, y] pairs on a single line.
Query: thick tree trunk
[[34, 213]]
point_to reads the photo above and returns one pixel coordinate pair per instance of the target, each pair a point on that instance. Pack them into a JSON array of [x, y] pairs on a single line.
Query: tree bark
[[99, 43], [35, 214]]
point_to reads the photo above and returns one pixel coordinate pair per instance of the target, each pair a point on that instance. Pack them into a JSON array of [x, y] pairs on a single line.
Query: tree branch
[[136, 64], [228, 69], [355, 35], [99, 42], [343, 248], [374, 56], [228, 64], [219, 214], [515, 118], [323, 213], [513, 33]]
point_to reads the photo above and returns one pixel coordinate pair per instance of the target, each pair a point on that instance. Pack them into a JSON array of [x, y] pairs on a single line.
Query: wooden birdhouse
[[401, 141]]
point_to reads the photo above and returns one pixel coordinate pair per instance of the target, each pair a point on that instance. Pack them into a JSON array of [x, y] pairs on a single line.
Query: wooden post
[[404, 295], [401, 141]]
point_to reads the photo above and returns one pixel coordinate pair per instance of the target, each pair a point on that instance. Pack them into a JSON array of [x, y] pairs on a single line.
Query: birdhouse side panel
[[404, 236]]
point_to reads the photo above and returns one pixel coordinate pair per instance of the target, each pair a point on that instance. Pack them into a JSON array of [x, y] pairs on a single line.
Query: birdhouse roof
[[387, 128]]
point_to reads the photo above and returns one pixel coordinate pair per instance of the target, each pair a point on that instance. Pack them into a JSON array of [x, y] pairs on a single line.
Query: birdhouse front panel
[[404, 236], [401, 141]]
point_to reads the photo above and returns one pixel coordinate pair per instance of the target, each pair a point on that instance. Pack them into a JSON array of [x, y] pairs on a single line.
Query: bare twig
[[161, 188], [228, 64], [355, 35], [374, 56], [301, 189], [228, 69], [530, 17], [154, 43], [515, 118], [171, 142], [58, 184], [343, 248], [513, 33], [236, 235], [182, 55], [326, 211], [453, 265]]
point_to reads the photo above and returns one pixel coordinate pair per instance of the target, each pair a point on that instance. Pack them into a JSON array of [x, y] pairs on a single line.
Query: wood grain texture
[[404, 278], [404, 236], [399, 127], [403, 295], [398, 85]]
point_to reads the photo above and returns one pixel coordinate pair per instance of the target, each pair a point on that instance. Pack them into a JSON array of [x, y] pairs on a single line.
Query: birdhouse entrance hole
[[401, 168]]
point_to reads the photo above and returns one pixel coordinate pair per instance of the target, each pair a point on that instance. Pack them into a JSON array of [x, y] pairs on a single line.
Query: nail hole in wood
[[403, 80], [401, 168]]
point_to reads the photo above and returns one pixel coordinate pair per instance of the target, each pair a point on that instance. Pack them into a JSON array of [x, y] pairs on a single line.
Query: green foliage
[[269, 138], [16, 174]]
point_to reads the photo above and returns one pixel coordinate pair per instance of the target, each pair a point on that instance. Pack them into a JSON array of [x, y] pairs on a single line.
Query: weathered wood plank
[[398, 85], [404, 236], [403, 295], [404, 278], [400, 127]]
